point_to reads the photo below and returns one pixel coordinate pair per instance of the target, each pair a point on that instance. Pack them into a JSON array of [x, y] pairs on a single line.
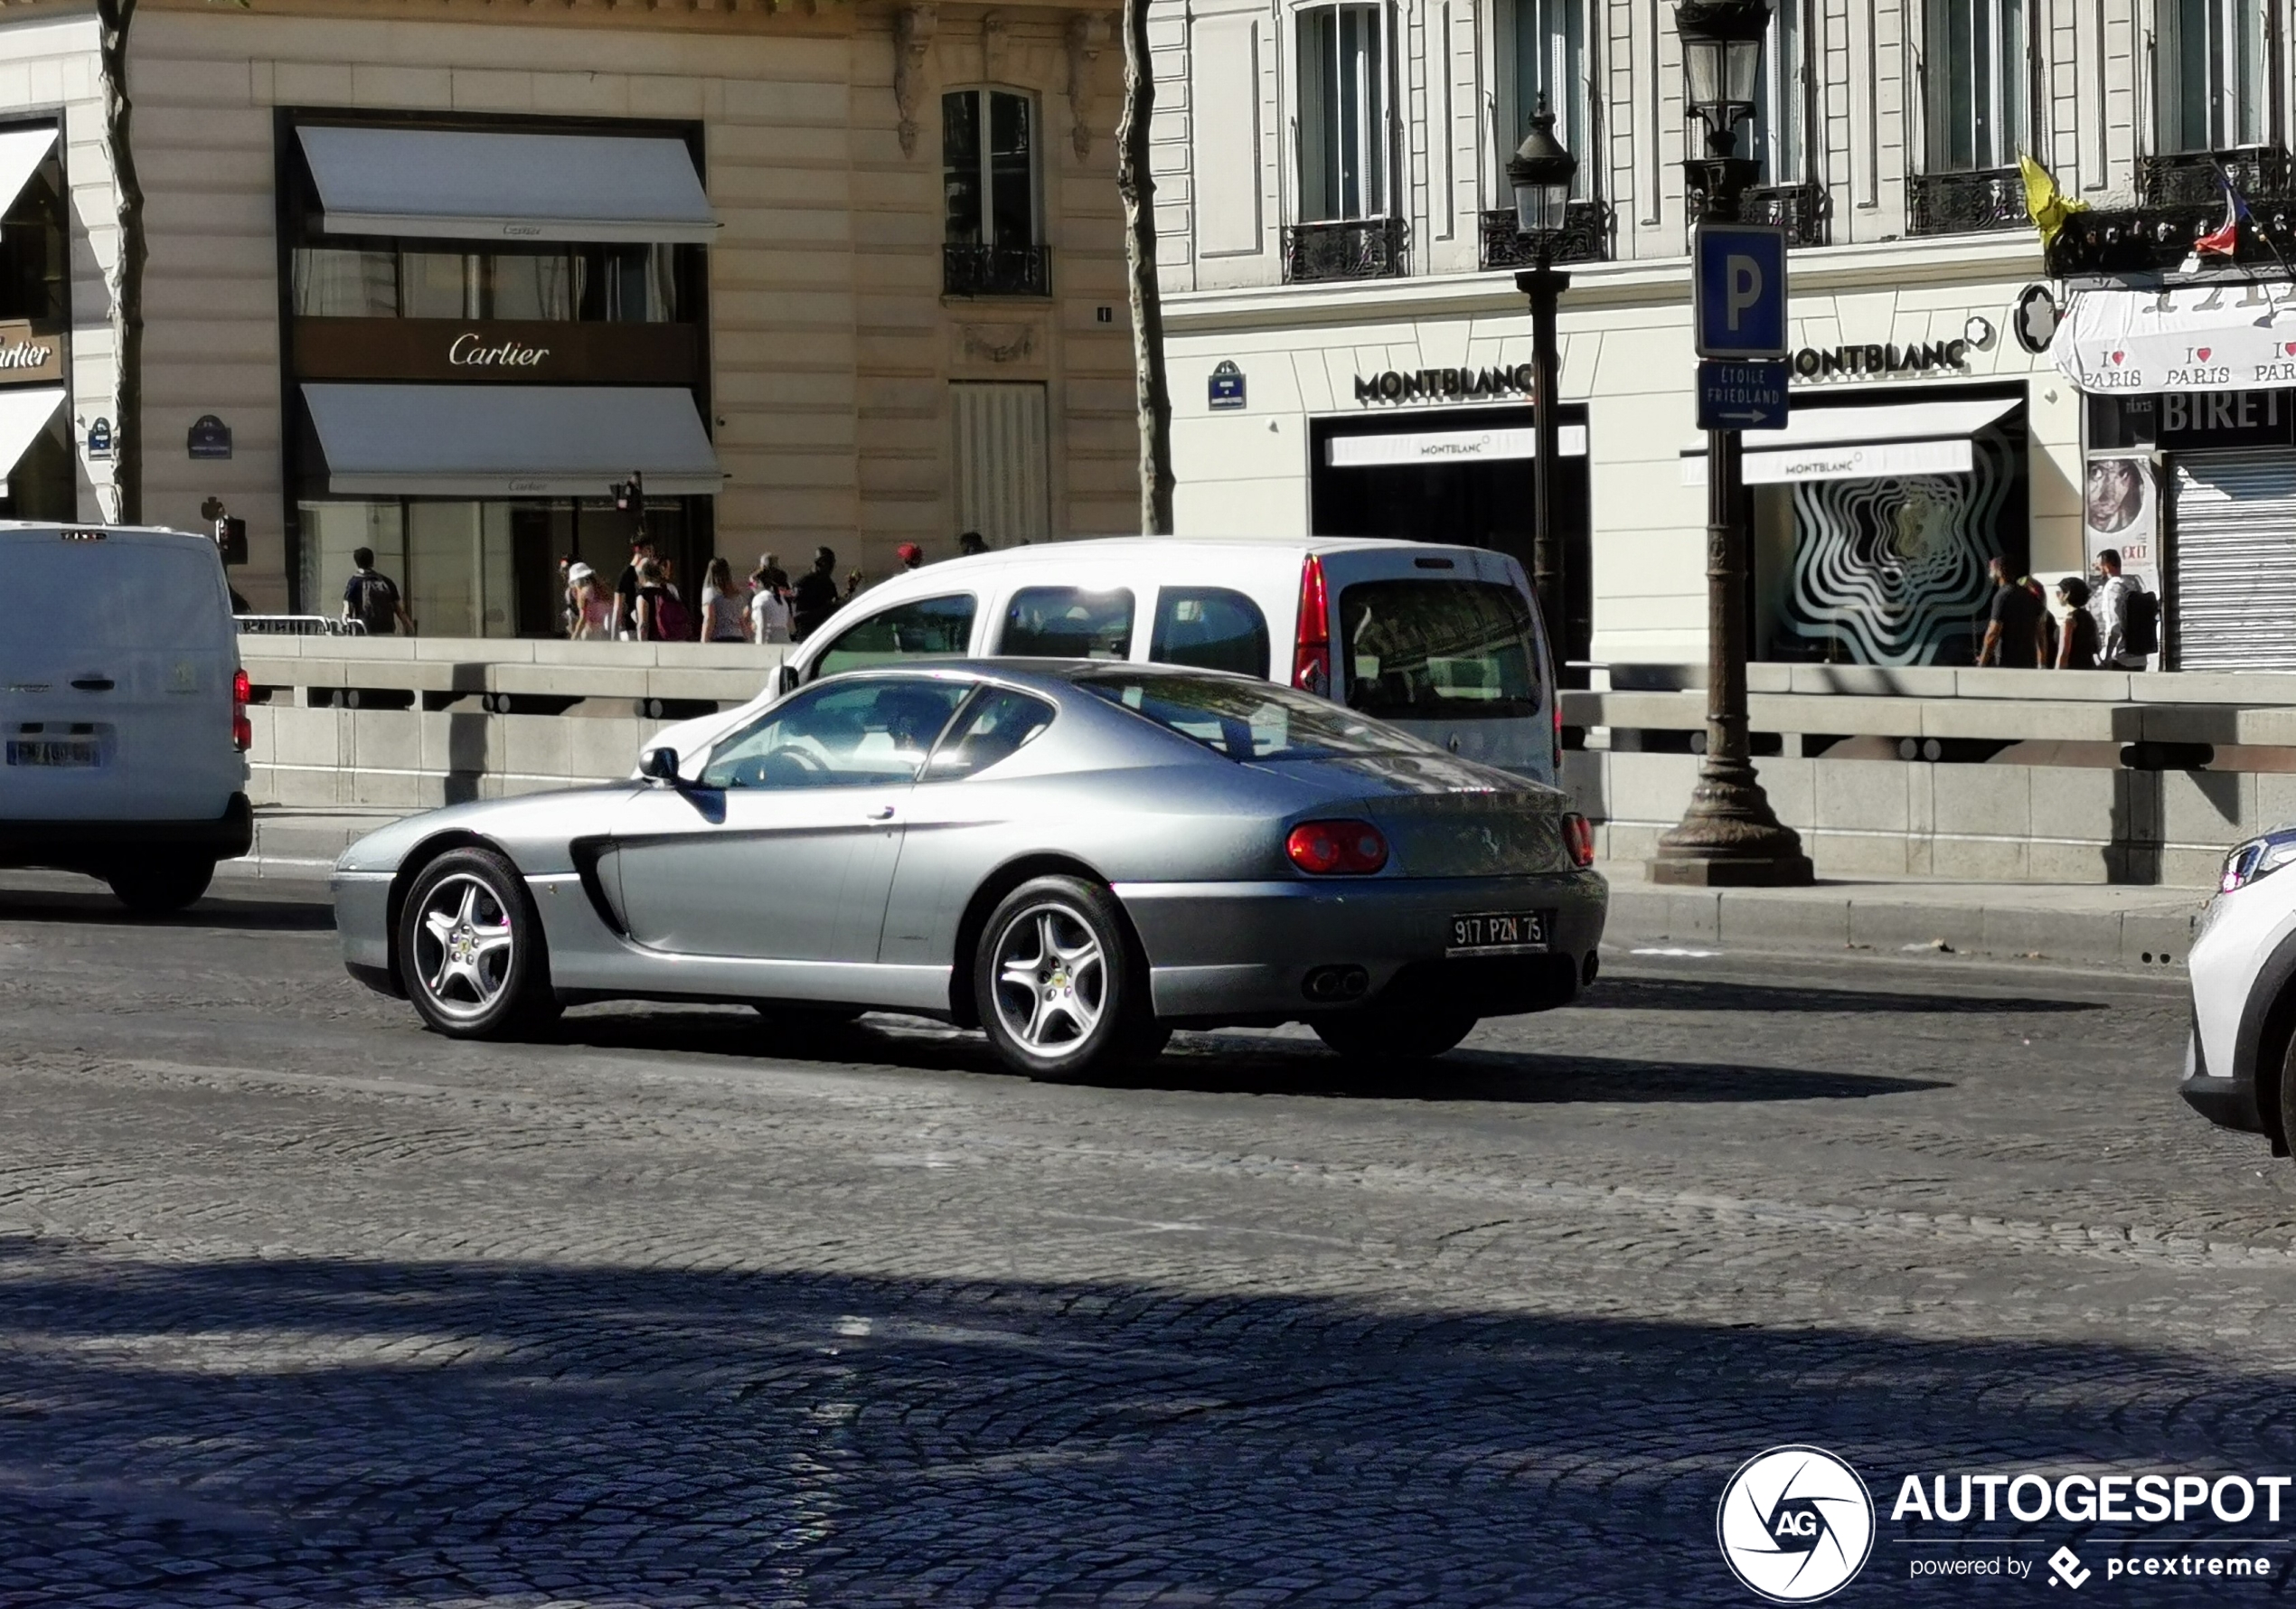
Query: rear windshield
[[1431, 650], [1248, 720], [114, 594]]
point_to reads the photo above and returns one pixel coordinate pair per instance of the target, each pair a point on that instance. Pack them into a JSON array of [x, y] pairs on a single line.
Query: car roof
[[1045, 674], [1108, 547]]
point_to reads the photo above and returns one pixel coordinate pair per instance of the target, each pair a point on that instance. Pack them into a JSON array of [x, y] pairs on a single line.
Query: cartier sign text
[[469, 351]]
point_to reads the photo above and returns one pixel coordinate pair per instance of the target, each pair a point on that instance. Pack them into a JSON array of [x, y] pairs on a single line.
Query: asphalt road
[[301, 1304]]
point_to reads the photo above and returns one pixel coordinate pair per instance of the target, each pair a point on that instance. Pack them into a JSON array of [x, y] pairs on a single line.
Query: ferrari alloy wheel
[[470, 948], [1055, 981]]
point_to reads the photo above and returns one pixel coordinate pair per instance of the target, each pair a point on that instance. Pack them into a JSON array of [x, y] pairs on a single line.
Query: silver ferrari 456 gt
[[1075, 857]]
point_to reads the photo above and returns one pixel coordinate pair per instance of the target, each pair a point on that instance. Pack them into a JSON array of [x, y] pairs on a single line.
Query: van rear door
[[115, 678], [1445, 642]]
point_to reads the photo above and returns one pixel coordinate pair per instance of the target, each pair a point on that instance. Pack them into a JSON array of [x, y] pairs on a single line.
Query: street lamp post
[[1541, 173], [1729, 837]]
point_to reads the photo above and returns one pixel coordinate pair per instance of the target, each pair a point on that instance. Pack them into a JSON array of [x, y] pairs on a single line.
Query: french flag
[[2224, 240]]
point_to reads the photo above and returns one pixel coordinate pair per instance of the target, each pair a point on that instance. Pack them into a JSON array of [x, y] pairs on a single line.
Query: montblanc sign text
[[1917, 358], [1399, 386]]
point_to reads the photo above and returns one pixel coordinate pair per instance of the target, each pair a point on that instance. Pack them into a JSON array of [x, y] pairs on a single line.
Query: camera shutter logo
[[1796, 1524]]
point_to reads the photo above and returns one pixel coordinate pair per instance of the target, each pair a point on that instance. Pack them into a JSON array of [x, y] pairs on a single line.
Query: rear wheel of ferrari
[[470, 949], [1055, 982], [1376, 1035]]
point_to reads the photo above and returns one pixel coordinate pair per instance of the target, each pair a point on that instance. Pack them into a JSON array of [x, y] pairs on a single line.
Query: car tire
[[470, 949], [1056, 981], [154, 887], [1374, 1035]]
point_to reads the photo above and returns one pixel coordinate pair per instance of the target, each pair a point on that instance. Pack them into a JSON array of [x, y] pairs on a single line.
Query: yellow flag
[[2044, 203]]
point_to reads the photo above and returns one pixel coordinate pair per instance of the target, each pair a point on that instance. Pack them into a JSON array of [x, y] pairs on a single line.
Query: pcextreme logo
[[1796, 1524]]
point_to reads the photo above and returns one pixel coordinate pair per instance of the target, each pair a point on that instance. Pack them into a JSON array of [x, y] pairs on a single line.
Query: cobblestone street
[[302, 1304]]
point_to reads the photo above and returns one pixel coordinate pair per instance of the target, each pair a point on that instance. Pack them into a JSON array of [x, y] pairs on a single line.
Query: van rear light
[[1346, 848], [1311, 647], [242, 729], [1578, 837]]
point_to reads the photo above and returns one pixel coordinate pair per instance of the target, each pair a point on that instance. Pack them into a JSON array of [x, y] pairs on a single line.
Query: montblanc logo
[[1796, 1524]]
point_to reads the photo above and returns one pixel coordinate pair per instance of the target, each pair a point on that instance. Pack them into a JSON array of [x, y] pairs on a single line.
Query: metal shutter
[[2235, 562], [1002, 472]]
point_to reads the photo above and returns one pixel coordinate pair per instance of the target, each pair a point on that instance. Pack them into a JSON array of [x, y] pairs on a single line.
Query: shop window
[[344, 282], [1342, 113], [991, 226], [1973, 72], [620, 284], [2212, 57], [1549, 57], [35, 265]]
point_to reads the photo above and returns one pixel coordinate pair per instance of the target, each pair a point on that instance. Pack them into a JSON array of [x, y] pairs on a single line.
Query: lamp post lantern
[[1728, 836], [1541, 173]]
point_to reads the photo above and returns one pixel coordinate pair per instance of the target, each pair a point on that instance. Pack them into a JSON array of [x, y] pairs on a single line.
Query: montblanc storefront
[[491, 325]]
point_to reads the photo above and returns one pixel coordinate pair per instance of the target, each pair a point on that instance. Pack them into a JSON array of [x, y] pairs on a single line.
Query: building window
[[1342, 113], [1549, 58], [2212, 58], [991, 244], [618, 284], [1775, 135], [1973, 71]]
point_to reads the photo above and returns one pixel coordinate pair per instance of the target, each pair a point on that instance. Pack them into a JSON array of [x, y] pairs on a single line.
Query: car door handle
[[93, 684], [882, 812]]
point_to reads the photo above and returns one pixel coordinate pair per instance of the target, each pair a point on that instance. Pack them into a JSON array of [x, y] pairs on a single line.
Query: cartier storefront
[[488, 326]]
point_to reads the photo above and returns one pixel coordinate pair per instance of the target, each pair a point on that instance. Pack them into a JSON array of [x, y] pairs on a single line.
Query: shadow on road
[[431, 1432], [1238, 1064], [226, 907], [1632, 994]]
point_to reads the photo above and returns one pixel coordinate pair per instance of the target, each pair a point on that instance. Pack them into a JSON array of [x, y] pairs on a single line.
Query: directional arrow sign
[[1742, 396]]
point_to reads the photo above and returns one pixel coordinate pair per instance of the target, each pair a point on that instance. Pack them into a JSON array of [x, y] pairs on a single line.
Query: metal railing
[[1351, 248], [298, 626], [996, 271], [1965, 203], [1585, 236], [1802, 211], [2188, 178]]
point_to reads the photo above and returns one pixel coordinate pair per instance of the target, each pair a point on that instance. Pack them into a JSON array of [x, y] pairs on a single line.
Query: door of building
[[1003, 468], [2232, 561]]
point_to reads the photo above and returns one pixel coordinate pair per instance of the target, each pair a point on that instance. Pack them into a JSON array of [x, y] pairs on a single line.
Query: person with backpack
[[661, 614], [2128, 616], [371, 598]]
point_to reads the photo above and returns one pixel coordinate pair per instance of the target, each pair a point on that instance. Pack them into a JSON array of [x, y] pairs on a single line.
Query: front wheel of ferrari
[[470, 948]]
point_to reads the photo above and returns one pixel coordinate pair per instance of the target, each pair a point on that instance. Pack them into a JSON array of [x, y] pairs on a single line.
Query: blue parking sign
[[1738, 290]]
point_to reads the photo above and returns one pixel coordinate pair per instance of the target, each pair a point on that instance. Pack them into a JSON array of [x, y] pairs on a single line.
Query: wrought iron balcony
[[2180, 198], [996, 271], [1803, 210], [1354, 248], [1965, 203], [2188, 178], [1585, 236]]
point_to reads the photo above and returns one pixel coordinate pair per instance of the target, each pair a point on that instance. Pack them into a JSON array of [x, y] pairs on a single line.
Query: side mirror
[[659, 764]]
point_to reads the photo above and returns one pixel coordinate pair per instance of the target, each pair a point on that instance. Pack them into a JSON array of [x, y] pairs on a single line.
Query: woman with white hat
[[593, 604]]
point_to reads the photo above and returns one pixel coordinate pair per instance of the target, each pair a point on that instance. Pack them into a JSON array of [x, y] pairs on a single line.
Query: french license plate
[[1499, 933], [54, 751]]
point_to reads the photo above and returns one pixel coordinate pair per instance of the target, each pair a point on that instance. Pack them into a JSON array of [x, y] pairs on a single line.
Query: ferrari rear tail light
[[1578, 837], [242, 731], [1311, 647], [1341, 848]]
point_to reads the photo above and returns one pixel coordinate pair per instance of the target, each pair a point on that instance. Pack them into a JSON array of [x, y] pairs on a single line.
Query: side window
[[930, 627], [992, 728], [1210, 628], [875, 733], [1069, 623]]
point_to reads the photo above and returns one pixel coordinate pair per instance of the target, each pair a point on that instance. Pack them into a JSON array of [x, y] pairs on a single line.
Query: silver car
[[1076, 857]]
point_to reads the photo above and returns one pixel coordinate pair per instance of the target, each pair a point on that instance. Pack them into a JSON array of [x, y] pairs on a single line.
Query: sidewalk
[[2085, 923]]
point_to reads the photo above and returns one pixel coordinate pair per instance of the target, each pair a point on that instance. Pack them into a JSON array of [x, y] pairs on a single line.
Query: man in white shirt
[[2110, 603]]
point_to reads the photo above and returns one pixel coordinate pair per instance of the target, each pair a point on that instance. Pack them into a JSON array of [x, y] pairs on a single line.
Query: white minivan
[[123, 709], [1443, 642]]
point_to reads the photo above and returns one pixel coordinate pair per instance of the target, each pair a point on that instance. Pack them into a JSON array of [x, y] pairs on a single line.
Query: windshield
[[1248, 720], [1429, 650]]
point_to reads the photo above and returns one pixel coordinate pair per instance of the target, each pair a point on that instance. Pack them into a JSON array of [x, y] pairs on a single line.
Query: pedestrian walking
[[972, 544], [592, 606], [814, 598], [625, 589], [661, 614], [724, 617], [371, 598], [2013, 634], [769, 573], [2076, 643], [909, 554], [2128, 616], [769, 616]]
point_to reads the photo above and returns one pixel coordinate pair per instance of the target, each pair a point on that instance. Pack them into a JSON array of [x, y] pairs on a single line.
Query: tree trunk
[[1137, 188], [126, 280]]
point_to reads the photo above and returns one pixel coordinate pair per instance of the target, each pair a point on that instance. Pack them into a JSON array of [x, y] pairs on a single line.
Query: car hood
[[534, 828]]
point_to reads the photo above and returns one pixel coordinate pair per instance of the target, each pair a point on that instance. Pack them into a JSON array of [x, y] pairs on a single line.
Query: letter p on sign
[[1738, 291]]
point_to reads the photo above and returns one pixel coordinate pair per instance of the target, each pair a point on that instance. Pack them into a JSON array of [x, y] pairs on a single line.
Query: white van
[[123, 709], [1443, 642]]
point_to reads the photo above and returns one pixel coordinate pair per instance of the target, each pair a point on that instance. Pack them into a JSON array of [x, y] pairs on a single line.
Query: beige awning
[[510, 441]]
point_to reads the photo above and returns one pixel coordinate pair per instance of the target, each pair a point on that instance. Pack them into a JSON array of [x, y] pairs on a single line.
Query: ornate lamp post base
[[1728, 838]]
